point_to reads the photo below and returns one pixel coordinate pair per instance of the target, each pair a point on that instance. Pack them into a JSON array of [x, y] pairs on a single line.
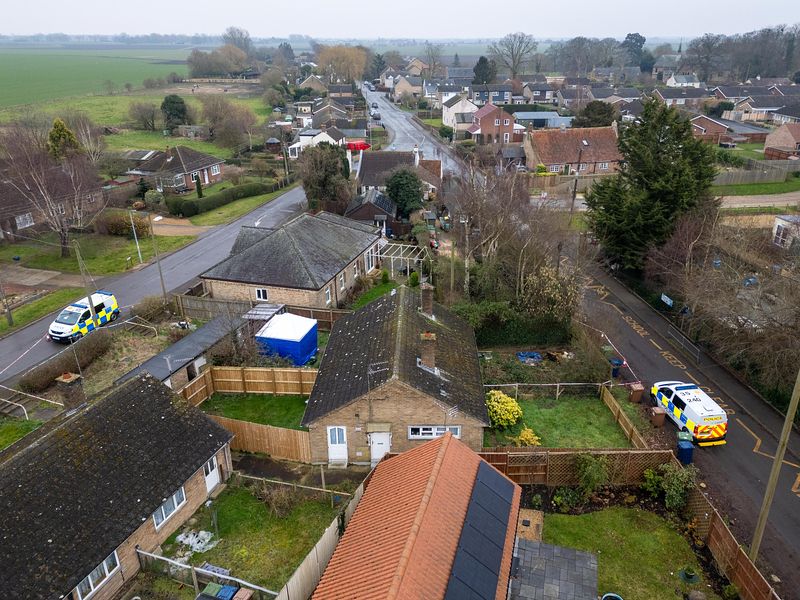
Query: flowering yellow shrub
[[503, 409], [526, 437]]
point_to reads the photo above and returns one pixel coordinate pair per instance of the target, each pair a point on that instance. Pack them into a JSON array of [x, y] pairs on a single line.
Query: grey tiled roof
[[91, 479], [178, 160], [304, 253], [375, 197], [387, 332], [249, 236]]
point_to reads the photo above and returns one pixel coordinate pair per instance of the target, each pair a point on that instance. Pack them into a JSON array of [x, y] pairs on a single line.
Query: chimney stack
[[426, 294], [71, 387], [428, 352]]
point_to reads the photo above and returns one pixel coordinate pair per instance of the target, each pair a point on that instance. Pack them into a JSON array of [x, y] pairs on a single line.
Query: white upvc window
[[555, 168], [603, 166], [582, 167], [327, 296], [98, 576], [506, 137], [535, 92], [341, 280], [195, 175], [178, 181], [262, 294], [506, 121], [24, 221], [355, 270], [169, 507], [497, 122], [215, 170], [681, 101], [429, 432]]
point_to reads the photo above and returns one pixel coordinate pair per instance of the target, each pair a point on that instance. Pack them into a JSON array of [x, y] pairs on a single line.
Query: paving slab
[[544, 571]]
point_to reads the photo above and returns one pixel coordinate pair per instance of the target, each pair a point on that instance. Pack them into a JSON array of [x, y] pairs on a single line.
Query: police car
[[75, 320], [692, 410]]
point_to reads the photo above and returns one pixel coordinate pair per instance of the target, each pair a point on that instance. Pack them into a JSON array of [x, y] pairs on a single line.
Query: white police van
[[75, 320], [692, 410]]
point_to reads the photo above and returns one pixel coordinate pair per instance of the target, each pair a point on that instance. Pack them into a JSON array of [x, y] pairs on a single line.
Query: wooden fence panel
[[199, 389], [627, 426], [263, 380], [280, 443]]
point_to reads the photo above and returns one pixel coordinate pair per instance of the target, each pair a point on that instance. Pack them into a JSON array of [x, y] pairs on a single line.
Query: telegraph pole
[[87, 281], [6, 305], [777, 462], [158, 258]]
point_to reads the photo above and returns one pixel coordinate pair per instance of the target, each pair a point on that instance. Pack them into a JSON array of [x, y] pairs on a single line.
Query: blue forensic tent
[[290, 336]]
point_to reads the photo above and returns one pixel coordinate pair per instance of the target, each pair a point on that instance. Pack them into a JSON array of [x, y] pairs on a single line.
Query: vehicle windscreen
[[68, 317]]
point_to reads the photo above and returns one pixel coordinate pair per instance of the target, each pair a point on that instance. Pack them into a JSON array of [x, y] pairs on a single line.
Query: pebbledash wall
[[393, 406], [233, 290], [149, 539]]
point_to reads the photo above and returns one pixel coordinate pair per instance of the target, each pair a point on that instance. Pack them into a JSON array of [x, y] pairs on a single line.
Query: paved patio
[[544, 572]]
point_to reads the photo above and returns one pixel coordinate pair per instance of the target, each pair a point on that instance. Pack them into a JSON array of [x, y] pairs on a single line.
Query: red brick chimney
[[428, 352], [426, 294]]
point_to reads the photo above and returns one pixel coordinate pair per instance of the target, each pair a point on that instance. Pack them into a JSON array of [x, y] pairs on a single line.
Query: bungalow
[[785, 90], [687, 97], [435, 522], [397, 372], [407, 85], [492, 125], [343, 90], [496, 93], [313, 82], [312, 260], [735, 93], [614, 95], [375, 168], [179, 168], [311, 137], [99, 482], [783, 142], [716, 130], [756, 108], [573, 98], [454, 105], [377, 209], [541, 93], [787, 114], [682, 81], [588, 151]]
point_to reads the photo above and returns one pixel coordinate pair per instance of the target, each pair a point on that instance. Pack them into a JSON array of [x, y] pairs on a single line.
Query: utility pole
[[158, 259], [6, 305], [575, 185], [777, 462], [87, 282], [135, 237]]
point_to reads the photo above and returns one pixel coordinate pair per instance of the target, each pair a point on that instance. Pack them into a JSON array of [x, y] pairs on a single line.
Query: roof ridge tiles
[[300, 257], [397, 579]]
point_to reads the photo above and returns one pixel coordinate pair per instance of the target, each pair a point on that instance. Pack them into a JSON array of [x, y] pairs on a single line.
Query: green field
[[155, 140], [35, 75]]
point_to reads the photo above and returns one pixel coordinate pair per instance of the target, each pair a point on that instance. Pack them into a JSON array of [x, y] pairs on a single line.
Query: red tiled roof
[[403, 537], [557, 146], [485, 110], [793, 129]]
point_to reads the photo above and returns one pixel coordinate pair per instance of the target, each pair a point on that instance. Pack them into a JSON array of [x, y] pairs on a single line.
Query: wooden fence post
[[244, 380], [194, 581]]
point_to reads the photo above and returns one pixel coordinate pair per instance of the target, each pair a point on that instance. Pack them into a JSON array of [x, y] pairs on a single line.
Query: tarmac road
[[28, 347], [735, 473]]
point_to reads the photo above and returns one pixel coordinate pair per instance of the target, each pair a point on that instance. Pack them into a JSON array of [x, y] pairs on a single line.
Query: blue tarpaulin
[[529, 357]]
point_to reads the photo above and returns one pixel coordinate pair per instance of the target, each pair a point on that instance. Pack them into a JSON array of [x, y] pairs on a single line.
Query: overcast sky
[[420, 19]]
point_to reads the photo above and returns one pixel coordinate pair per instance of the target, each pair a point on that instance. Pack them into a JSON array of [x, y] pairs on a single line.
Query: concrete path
[[787, 199], [38, 278]]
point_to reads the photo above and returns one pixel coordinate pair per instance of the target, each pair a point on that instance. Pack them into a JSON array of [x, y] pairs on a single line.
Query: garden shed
[[289, 336]]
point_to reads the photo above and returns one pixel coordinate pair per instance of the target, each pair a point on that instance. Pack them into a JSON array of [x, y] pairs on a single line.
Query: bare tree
[[89, 135], [144, 115], [56, 189], [514, 51], [433, 57], [236, 36]]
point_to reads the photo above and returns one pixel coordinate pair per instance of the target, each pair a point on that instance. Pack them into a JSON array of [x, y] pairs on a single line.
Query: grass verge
[[569, 422], [373, 294], [618, 535], [758, 189], [103, 254], [432, 122], [28, 313], [256, 545], [278, 411], [234, 210], [745, 211], [12, 430]]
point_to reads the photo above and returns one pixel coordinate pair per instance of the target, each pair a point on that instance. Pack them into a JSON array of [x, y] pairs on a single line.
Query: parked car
[[376, 116], [374, 105]]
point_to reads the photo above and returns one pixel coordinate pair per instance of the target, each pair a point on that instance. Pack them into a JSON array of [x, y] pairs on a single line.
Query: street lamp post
[[150, 220]]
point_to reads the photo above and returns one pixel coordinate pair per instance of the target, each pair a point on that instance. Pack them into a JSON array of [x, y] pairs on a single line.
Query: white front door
[[211, 472], [380, 442], [337, 445], [205, 176]]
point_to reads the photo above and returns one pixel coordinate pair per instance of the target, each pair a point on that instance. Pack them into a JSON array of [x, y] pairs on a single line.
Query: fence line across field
[[558, 386]]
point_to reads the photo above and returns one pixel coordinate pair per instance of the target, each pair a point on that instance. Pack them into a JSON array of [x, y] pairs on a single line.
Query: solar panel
[[495, 481], [483, 495], [487, 523], [475, 544]]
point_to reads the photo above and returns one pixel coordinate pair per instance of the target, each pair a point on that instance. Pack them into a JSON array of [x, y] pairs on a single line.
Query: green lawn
[[256, 545], [752, 150], [27, 313], [234, 210], [103, 254], [638, 553], [156, 140], [569, 422], [373, 294], [760, 210], [29, 75], [757, 189], [632, 409], [278, 411], [12, 430], [433, 122]]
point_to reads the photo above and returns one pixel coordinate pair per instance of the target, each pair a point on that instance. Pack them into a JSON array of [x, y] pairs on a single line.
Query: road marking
[[652, 341], [757, 449], [600, 290], [692, 377]]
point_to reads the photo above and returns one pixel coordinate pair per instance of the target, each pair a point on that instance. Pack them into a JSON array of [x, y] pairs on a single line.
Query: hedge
[[192, 206], [87, 349]]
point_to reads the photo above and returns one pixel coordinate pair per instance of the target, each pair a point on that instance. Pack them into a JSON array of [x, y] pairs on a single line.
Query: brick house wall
[[494, 133], [782, 138], [206, 172], [149, 539], [234, 290], [397, 405]]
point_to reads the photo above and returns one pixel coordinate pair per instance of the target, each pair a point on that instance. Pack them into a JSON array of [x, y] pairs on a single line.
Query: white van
[[692, 410], [75, 320]]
